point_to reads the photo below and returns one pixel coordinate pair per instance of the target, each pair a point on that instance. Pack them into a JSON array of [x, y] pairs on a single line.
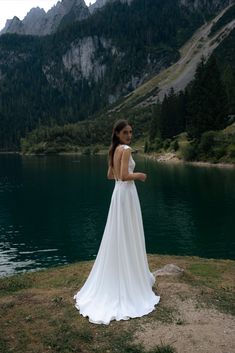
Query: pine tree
[[208, 100], [154, 124], [172, 116]]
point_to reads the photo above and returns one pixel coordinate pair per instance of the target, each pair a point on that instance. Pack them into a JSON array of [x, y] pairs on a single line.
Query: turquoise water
[[53, 209]]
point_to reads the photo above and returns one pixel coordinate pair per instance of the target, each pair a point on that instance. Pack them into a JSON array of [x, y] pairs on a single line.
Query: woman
[[119, 286]]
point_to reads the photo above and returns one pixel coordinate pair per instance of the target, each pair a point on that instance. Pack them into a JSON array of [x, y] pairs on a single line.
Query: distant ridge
[[38, 22]]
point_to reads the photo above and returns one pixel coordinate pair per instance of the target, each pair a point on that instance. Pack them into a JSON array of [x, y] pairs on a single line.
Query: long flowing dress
[[119, 285]]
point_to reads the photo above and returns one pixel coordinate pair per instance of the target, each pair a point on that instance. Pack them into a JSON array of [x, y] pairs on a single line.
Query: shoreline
[[161, 257], [173, 159], [168, 157]]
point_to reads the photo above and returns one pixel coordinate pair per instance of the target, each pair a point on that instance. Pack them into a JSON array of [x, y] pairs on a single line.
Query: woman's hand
[[142, 176]]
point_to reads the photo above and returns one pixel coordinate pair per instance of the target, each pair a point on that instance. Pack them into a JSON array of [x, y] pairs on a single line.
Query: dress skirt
[[119, 285]]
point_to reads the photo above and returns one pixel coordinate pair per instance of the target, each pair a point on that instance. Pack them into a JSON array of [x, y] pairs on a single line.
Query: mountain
[[97, 5], [85, 67], [38, 22], [215, 38], [33, 21], [100, 3], [203, 42]]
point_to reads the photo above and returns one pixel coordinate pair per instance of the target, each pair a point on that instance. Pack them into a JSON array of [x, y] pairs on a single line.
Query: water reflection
[[53, 209]]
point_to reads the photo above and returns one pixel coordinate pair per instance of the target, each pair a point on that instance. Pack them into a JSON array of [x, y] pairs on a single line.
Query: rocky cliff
[[100, 3], [38, 22]]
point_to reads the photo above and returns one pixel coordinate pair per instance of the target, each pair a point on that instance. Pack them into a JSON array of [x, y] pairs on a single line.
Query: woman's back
[[117, 161]]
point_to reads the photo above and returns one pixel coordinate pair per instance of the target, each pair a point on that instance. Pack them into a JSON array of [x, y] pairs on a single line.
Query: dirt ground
[[193, 329]]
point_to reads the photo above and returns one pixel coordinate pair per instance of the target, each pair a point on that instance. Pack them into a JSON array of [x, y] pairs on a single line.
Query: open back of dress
[[119, 285]]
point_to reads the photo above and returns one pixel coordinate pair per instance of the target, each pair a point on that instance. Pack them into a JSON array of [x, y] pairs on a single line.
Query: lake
[[53, 209]]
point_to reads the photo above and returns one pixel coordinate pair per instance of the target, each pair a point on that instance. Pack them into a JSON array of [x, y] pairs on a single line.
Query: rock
[[80, 59], [166, 157], [13, 26], [100, 3], [38, 22], [169, 269]]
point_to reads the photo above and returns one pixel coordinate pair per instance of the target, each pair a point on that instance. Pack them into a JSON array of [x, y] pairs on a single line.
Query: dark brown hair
[[117, 127]]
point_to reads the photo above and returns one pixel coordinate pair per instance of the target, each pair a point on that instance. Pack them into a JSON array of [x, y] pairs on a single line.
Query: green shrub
[[166, 143], [146, 147], [157, 143], [174, 145], [151, 148], [86, 150], [231, 151], [53, 149], [207, 141], [219, 151], [25, 145], [189, 152], [95, 150], [38, 148]]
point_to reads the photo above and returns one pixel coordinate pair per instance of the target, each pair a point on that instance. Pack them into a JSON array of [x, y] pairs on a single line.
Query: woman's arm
[[125, 175], [110, 174]]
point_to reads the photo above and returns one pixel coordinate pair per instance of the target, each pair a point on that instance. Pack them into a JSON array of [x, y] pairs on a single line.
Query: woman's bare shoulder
[[127, 147], [123, 147]]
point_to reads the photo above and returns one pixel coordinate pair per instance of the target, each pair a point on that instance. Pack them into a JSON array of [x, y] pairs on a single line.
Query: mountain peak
[[100, 3], [38, 22]]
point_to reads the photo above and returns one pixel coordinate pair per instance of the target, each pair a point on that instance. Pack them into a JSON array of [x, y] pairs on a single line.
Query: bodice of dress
[[131, 165]]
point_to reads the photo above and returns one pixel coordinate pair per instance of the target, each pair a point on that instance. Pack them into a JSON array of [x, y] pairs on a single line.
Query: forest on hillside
[[202, 111], [35, 90]]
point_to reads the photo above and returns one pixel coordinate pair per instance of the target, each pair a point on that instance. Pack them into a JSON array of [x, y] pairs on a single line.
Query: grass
[[37, 312], [163, 349], [217, 287]]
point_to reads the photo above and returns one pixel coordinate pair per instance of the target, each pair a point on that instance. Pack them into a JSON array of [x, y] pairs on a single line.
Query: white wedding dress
[[119, 285]]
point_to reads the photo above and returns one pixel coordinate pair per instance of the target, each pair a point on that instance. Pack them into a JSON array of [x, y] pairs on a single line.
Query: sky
[[19, 8]]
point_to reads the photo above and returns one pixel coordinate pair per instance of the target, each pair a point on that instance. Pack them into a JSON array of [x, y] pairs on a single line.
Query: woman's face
[[125, 134]]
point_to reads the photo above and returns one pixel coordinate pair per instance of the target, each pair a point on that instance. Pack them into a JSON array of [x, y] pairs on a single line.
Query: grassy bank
[[37, 312], [213, 147]]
